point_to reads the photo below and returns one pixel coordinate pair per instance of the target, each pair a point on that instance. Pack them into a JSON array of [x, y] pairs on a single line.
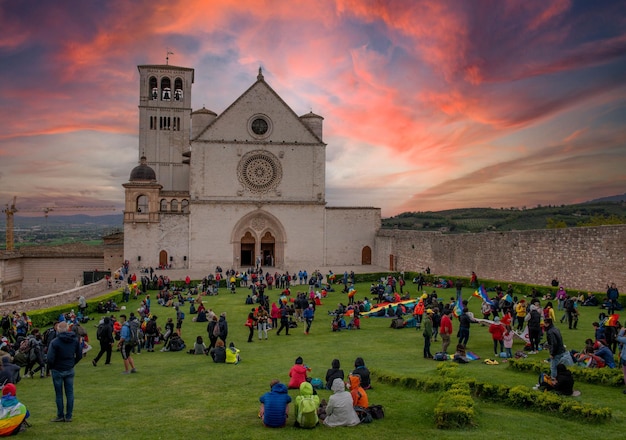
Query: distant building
[[239, 189]]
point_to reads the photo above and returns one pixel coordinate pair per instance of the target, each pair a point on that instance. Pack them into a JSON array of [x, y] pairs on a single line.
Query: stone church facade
[[243, 187]]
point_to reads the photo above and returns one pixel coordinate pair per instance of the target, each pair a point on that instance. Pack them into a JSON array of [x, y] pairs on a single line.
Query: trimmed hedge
[[46, 317], [519, 395], [600, 376], [455, 408]]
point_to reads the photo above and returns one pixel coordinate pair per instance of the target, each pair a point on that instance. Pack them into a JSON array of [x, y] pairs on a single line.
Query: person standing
[[308, 314], [445, 329], [262, 322], [284, 320], [464, 327], [223, 326], [558, 353], [427, 332], [126, 346], [105, 336], [251, 324], [63, 354], [497, 334], [533, 319]]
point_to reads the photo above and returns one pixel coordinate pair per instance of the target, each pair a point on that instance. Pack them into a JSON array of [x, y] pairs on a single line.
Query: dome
[[142, 172]]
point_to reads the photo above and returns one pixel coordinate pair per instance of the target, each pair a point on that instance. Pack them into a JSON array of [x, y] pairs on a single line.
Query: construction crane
[[10, 210]]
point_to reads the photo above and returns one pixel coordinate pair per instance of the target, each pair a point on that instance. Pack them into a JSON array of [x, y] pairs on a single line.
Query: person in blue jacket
[[275, 405]]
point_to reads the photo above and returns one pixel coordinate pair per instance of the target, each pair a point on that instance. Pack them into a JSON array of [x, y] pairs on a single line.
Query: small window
[[163, 207], [185, 206], [174, 205], [142, 204]]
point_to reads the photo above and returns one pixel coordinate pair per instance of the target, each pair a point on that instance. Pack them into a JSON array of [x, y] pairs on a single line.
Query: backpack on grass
[[377, 411]]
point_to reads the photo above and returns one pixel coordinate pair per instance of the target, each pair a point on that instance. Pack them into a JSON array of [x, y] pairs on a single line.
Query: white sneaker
[[536, 387]]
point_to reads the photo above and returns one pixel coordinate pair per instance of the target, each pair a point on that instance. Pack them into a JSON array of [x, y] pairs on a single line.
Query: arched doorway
[[247, 249], [163, 259], [258, 234], [267, 249], [366, 255]]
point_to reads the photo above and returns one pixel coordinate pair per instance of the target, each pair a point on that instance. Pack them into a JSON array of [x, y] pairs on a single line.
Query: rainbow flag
[[612, 320], [458, 307], [482, 294]]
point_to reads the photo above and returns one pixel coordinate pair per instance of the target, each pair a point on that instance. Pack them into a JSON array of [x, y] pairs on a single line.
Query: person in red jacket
[[298, 374], [497, 334], [445, 329]]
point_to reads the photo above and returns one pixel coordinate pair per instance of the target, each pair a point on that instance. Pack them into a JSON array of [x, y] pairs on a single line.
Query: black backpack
[[151, 327], [535, 318]]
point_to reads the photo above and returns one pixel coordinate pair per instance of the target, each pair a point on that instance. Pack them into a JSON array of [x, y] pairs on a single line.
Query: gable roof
[[260, 82]]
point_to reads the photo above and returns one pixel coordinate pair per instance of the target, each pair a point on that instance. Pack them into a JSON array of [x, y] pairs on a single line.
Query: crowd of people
[[56, 351], [347, 406]]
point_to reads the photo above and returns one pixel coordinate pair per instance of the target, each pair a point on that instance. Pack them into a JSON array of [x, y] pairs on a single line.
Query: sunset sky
[[427, 105]]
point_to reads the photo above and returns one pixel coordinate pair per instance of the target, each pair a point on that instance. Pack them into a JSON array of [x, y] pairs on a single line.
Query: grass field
[[176, 395]]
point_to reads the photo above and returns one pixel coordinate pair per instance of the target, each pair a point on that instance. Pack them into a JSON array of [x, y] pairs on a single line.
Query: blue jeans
[[61, 380], [564, 358]]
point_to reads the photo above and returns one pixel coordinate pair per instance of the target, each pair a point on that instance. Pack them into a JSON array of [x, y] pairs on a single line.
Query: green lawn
[[176, 395]]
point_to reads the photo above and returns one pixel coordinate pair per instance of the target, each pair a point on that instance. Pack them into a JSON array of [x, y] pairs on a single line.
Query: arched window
[[166, 89], [163, 207], [142, 204], [185, 206], [178, 89], [174, 205], [153, 88]]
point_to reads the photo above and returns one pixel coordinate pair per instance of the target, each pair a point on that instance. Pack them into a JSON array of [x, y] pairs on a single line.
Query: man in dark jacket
[[105, 336], [223, 327], [63, 354], [558, 353]]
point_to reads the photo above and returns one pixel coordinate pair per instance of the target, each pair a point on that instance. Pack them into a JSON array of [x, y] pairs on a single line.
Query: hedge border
[[518, 396], [599, 376]]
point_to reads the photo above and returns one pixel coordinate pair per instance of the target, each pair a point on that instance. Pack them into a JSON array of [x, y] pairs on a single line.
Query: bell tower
[[165, 122]]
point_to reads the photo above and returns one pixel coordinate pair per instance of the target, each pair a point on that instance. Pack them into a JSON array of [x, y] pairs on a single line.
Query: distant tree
[[599, 220], [555, 224]]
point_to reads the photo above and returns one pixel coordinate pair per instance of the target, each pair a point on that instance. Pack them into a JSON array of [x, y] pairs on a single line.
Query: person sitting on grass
[[298, 374], [232, 354], [340, 410], [199, 347], [562, 384], [307, 405], [361, 370], [218, 353], [359, 396], [275, 405], [334, 373]]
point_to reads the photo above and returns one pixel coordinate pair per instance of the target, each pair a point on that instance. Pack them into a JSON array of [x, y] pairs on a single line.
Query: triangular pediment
[[260, 101]]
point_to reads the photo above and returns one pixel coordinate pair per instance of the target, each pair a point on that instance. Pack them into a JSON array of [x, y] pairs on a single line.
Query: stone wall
[[581, 258], [43, 276], [56, 299]]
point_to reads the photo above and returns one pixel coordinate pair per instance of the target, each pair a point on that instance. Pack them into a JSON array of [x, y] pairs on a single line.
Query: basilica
[[242, 188]]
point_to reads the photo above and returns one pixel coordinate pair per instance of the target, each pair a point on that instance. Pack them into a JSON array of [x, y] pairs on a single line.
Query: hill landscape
[[593, 213]]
